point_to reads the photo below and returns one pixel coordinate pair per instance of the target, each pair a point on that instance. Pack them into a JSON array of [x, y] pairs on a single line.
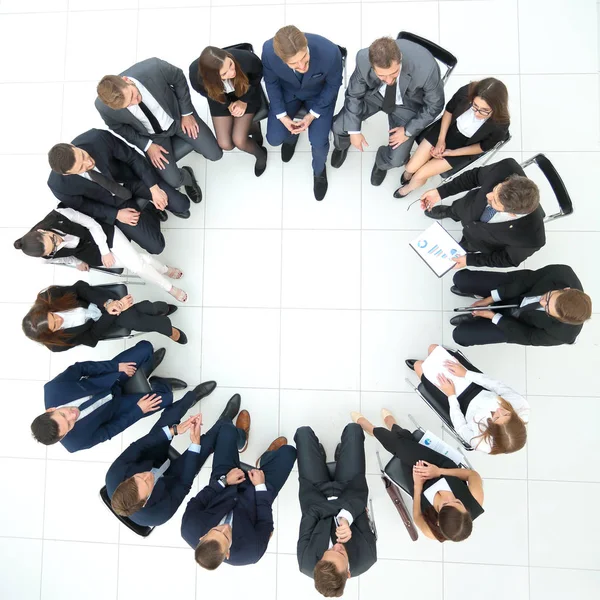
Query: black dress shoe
[[157, 358], [193, 191], [288, 149], [162, 215], [171, 308], [397, 193], [261, 163], [322, 451], [377, 175], [182, 337], [461, 319], [232, 408], [338, 157], [439, 212], [338, 451], [175, 384], [320, 185], [204, 389], [457, 292], [183, 215], [410, 363]]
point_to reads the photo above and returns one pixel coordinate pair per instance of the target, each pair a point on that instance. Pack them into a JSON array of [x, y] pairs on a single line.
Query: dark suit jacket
[[86, 379], [168, 86], [252, 519], [536, 328], [320, 83], [318, 523], [250, 65], [489, 134], [114, 158], [420, 85], [147, 453], [505, 244], [91, 332]]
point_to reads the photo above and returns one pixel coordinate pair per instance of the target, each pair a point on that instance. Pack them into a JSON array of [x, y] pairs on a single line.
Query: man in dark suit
[[143, 483], [231, 519], [336, 541], [149, 105], [302, 70], [552, 307], [86, 404], [103, 177], [503, 222], [400, 78]]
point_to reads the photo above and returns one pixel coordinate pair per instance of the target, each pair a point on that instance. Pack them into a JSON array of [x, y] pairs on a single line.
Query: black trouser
[[146, 316], [146, 233], [350, 464]]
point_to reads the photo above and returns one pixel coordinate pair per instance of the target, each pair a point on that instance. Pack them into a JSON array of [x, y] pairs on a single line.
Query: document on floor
[[433, 366], [437, 248], [441, 447]]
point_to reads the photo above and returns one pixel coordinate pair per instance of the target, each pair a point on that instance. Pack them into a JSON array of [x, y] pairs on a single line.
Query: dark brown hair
[[573, 307], [383, 52], [61, 158], [110, 91], [288, 41], [328, 580], [506, 438], [209, 554], [45, 429], [519, 195], [449, 524], [32, 244], [35, 322], [126, 498], [209, 67], [494, 92]]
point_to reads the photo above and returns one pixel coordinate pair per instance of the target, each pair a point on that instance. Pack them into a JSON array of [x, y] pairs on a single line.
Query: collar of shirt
[[468, 124], [398, 94], [164, 120], [503, 217], [78, 316], [530, 300], [228, 86], [308, 54], [86, 175], [69, 241]]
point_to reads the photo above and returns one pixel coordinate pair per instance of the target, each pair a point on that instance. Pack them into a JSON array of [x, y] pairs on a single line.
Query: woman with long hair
[[446, 498], [66, 236], [475, 120], [230, 80], [63, 317], [488, 415]]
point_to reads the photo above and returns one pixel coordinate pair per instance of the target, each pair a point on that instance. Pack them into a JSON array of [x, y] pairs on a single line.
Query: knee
[[431, 348], [145, 346], [273, 138], [214, 154], [288, 453], [303, 433], [460, 278], [225, 144], [459, 336], [239, 140]]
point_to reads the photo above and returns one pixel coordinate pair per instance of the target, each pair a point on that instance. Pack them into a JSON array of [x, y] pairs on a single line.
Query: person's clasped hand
[[343, 532]]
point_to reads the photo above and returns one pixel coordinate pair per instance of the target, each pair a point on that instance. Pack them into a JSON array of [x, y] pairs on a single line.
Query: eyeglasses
[[547, 307], [54, 240], [485, 112]]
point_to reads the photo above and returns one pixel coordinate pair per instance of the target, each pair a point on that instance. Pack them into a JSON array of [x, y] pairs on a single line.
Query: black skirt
[[220, 110], [454, 139]]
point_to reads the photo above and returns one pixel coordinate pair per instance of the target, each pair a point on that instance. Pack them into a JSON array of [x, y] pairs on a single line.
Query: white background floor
[[308, 309]]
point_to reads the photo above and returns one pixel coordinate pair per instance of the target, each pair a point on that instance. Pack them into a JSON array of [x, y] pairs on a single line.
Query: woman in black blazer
[[230, 80], [67, 316], [475, 120]]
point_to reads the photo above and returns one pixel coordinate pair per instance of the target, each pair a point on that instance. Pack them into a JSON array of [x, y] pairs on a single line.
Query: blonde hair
[[110, 91], [288, 41]]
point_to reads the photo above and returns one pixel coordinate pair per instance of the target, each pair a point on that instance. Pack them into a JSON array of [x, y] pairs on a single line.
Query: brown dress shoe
[[243, 422], [275, 445]]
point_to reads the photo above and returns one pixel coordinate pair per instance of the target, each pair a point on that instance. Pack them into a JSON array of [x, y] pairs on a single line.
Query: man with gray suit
[[399, 78], [149, 105]]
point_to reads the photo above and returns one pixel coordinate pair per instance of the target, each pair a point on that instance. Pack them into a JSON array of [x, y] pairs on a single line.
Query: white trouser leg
[[140, 263]]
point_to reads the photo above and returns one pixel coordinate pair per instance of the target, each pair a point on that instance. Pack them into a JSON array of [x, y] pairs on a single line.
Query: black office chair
[[440, 54], [565, 204], [141, 530]]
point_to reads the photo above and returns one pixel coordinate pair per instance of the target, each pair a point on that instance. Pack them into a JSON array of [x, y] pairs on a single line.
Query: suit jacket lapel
[[404, 81]]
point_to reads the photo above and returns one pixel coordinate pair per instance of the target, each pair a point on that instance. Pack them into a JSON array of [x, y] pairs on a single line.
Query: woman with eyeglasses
[[63, 317], [446, 498], [230, 81], [488, 415], [475, 120], [66, 236]]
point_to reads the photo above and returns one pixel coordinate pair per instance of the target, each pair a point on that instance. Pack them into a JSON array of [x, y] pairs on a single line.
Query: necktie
[[299, 76], [153, 120], [228, 518], [158, 473], [109, 184], [389, 99], [487, 214]]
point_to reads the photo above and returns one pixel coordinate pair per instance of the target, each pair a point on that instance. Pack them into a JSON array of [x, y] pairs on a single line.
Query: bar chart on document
[[437, 248]]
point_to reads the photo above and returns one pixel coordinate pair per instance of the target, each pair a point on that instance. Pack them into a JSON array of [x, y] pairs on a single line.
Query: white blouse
[[78, 316], [228, 86], [468, 124], [479, 409], [441, 485]]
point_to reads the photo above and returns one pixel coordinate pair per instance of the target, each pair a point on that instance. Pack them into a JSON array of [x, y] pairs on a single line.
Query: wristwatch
[[174, 430], [223, 480]]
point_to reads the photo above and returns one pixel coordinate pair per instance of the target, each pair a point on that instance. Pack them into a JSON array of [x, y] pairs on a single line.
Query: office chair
[[440, 54]]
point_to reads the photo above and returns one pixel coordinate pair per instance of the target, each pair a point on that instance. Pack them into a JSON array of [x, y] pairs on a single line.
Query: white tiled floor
[[308, 309]]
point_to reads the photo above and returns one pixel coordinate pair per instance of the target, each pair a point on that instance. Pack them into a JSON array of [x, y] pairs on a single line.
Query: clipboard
[[436, 247]]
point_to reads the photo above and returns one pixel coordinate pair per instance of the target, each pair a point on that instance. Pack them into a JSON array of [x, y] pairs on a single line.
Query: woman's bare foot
[[174, 273], [388, 418], [175, 334], [178, 294]]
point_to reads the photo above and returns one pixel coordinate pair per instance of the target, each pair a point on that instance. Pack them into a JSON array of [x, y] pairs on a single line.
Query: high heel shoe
[[261, 164], [182, 337], [385, 413], [403, 179], [355, 416], [397, 193]]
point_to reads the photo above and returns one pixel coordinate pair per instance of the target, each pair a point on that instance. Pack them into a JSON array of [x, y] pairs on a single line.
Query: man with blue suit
[[86, 404], [145, 483], [231, 519], [302, 70]]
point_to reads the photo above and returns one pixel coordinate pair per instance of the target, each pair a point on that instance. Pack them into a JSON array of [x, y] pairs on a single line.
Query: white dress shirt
[[78, 316], [468, 124], [527, 300], [86, 175], [479, 409], [228, 86], [441, 485], [90, 409]]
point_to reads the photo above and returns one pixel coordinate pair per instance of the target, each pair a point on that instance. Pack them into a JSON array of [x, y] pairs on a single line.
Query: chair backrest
[[141, 530], [563, 198], [243, 46], [446, 58], [119, 289]]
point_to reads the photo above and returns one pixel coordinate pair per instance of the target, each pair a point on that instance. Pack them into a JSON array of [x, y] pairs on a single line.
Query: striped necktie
[[488, 214]]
